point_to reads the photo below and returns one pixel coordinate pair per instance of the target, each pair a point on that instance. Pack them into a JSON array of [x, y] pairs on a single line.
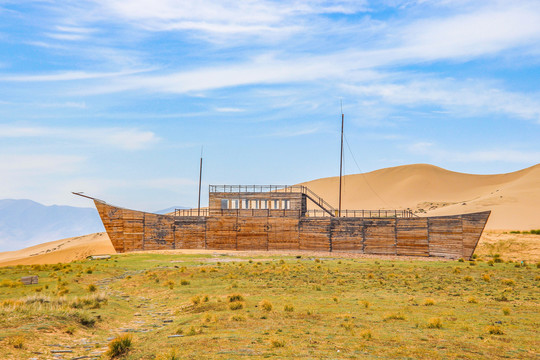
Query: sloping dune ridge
[[65, 250], [513, 198]]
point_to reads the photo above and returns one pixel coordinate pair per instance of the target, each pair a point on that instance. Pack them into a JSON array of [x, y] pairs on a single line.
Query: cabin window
[[254, 204], [275, 204], [264, 204], [286, 204], [235, 203], [245, 204], [224, 204]]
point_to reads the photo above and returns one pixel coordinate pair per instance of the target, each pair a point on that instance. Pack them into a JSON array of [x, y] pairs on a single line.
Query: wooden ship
[[270, 217], [256, 217]]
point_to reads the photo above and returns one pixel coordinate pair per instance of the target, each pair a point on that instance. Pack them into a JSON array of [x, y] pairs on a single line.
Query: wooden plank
[[283, 234], [314, 234], [158, 232], [252, 233], [445, 237], [473, 226], [190, 232], [380, 236], [412, 236], [347, 234]]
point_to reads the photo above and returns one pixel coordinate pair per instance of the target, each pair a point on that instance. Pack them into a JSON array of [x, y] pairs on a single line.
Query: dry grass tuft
[[494, 330], [266, 305], [119, 346], [434, 323]]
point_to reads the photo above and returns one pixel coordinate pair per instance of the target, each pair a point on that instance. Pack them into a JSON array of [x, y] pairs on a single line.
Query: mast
[[341, 162], [200, 178]]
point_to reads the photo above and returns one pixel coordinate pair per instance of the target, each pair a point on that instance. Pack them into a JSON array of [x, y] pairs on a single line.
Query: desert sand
[[64, 250], [513, 198]]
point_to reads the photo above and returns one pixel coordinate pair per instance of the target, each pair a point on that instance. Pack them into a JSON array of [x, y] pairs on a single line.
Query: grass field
[[169, 306]]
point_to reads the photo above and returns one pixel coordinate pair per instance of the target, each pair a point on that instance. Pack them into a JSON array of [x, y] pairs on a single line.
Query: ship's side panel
[[347, 234], [473, 225], [158, 232], [380, 236], [445, 236], [133, 229], [112, 219], [314, 234], [283, 234], [251, 233], [190, 232], [412, 236], [221, 232]]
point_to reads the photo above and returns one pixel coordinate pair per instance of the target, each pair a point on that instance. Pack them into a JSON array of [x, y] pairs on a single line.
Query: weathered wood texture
[[412, 237], [445, 236]]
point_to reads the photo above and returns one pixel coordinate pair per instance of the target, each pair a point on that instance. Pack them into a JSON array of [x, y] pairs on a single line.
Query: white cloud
[[229, 109], [68, 76], [260, 17], [462, 98], [123, 138], [490, 29]]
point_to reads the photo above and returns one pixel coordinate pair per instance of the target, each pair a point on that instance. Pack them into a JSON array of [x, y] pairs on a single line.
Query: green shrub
[[92, 288], [288, 308], [119, 346], [184, 282]]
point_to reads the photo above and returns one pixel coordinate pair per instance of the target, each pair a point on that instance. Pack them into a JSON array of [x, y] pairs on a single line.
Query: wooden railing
[[364, 213], [296, 213]]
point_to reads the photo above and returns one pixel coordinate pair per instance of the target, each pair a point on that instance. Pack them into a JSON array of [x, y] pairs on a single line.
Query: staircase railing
[[319, 201]]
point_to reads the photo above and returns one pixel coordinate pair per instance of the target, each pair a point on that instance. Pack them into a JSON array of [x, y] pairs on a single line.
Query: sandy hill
[[513, 198], [64, 250]]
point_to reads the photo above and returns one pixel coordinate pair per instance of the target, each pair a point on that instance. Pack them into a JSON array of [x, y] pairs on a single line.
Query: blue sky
[[115, 98]]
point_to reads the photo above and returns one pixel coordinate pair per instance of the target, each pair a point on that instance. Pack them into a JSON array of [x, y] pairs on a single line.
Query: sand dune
[[64, 250], [513, 198]]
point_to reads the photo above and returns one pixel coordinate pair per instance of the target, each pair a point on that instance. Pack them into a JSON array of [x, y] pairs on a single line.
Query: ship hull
[[450, 237]]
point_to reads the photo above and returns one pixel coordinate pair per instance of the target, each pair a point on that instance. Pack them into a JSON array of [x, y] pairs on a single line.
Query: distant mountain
[[25, 223], [170, 209]]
